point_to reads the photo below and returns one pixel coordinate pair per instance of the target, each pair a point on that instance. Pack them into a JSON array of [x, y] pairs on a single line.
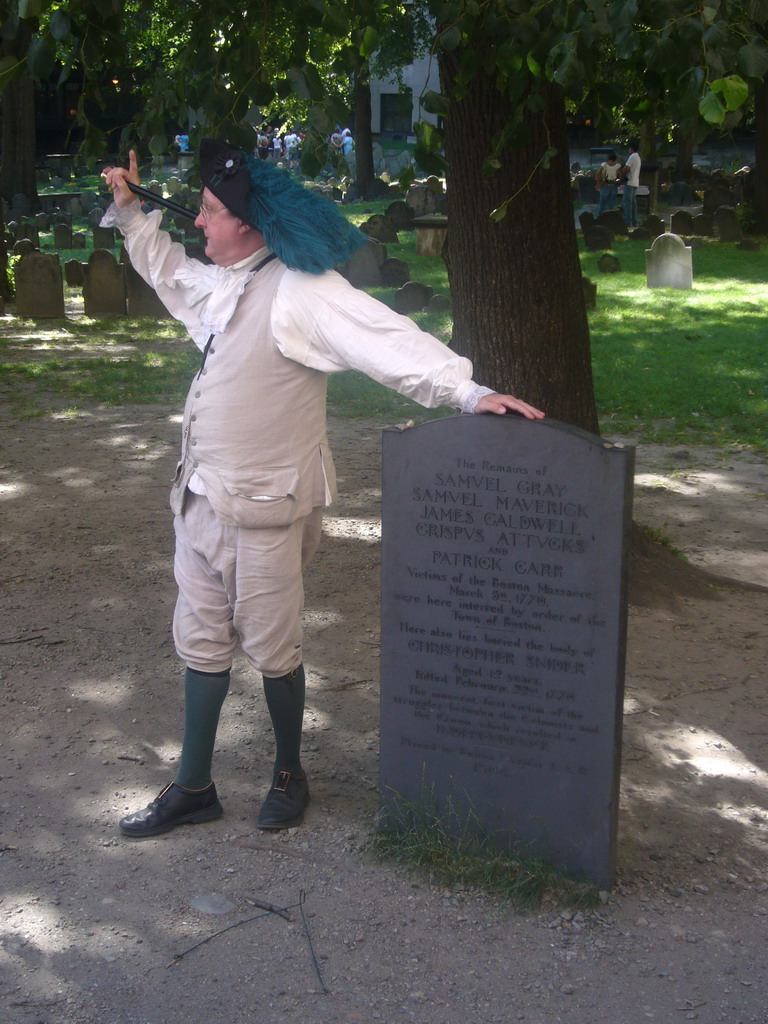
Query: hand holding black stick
[[152, 197], [121, 180]]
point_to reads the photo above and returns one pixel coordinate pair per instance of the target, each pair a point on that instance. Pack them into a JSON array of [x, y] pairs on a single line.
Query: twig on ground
[[179, 956]]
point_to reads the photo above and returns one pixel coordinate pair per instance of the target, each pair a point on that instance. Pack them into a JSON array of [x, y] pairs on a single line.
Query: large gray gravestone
[[503, 633]]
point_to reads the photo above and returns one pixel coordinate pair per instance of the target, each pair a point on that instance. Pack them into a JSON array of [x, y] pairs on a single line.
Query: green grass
[[420, 839], [670, 366], [683, 366]]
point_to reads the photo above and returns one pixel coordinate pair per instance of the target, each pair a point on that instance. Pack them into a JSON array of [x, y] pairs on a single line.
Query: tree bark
[[364, 173], [685, 141], [518, 297], [759, 188], [19, 144]]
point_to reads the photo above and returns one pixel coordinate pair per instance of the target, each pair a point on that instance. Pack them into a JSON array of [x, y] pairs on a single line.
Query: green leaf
[[406, 177], [733, 89], [32, 8], [335, 22], [10, 68], [711, 108], [261, 93], [370, 42], [501, 211], [40, 57], [61, 26], [752, 60], [435, 103], [450, 39]]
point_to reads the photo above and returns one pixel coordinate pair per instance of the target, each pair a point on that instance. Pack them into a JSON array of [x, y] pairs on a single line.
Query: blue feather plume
[[305, 230]]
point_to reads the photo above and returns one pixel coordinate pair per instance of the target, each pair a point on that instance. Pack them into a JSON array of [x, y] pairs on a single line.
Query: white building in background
[[390, 117]]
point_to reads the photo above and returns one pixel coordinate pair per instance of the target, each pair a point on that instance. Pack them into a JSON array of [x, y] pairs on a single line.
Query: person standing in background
[[607, 182], [631, 174]]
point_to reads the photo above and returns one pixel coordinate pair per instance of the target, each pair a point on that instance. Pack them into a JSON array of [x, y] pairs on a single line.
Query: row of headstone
[[63, 236], [370, 267], [110, 287], [599, 232]]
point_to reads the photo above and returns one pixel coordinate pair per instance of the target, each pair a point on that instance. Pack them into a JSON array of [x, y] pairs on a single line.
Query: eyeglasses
[[207, 213]]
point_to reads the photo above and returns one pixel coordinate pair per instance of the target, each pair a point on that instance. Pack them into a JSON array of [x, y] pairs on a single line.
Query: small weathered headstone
[[141, 298], [62, 236], [669, 263], [401, 215], [503, 634], [681, 223], [28, 229], [702, 224], [421, 200], [23, 247], [586, 220], [654, 224], [727, 226], [440, 303], [73, 273], [609, 264], [412, 297], [364, 269], [379, 227], [103, 238], [104, 286], [613, 220], [394, 273], [39, 286], [598, 237]]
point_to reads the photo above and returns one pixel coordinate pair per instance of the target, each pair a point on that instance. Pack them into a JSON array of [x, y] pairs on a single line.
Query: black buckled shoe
[[284, 806], [173, 806]]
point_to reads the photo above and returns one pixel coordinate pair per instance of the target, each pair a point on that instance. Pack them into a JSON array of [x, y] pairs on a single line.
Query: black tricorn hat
[[224, 171], [304, 230]]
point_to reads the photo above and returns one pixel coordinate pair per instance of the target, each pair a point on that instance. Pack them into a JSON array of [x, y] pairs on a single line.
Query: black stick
[[169, 204]]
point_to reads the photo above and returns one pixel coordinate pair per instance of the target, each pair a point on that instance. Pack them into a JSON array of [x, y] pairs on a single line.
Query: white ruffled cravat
[[214, 291]]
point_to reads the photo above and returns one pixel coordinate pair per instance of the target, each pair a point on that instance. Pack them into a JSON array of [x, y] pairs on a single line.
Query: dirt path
[[90, 710]]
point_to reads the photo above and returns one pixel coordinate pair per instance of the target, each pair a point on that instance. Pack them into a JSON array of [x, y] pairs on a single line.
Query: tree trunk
[[759, 188], [17, 170], [364, 173], [685, 142], [518, 297]]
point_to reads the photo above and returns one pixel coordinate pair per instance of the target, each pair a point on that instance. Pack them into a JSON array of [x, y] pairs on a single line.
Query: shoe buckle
[[281, 783]]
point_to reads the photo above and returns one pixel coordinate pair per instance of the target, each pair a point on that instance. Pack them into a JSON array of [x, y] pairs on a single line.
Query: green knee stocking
[[285, 702], [204, 694]]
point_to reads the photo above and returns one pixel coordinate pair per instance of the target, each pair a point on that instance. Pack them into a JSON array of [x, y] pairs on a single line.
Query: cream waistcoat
[[254, 424]]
